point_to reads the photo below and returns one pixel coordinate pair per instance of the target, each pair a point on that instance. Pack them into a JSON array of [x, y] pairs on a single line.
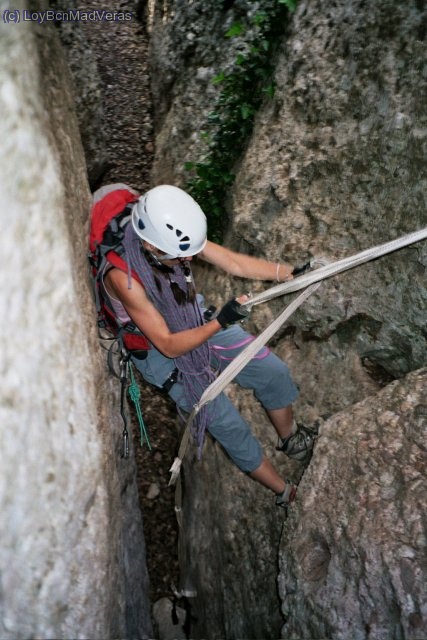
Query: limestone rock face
[[336, 164], [86, 90], [352, 552], [229, 539], [189, 48], [72, 554]]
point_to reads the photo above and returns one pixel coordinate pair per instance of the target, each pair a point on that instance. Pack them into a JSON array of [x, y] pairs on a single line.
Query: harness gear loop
[[113, 354], [124, 365], [135, 395]]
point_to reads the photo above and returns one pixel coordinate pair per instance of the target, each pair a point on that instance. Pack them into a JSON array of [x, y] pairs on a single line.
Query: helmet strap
[[154, 261]]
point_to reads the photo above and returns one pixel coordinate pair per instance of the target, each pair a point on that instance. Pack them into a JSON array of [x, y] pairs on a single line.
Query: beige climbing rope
[[311, 282]]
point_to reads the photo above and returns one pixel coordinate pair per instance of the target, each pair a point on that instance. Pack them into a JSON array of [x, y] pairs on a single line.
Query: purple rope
[[194, 370]]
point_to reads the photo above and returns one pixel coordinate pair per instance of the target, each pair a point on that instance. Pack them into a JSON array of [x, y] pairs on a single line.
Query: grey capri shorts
[[266, 374]]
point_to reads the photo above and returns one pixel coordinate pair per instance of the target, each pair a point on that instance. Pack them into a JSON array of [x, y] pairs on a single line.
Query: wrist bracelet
[[277, 272]]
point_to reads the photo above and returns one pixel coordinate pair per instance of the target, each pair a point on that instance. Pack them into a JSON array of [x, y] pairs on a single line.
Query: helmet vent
[[141, 225], [184, 242]]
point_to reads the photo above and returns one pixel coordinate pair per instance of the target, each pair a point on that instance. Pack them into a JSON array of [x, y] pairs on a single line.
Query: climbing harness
[[124, 363], [175, 299], [311, 281], [170, 381], [231, 372]]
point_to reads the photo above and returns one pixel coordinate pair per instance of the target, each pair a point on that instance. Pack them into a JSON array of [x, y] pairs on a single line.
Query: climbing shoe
[[284, 499], [299, 445]]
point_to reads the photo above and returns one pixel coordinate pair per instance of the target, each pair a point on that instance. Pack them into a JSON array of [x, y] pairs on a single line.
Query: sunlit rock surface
[[72, 553]]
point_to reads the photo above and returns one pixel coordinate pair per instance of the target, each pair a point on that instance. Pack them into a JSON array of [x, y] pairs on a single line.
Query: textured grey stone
[[182, 71], [72, 555], [87, 91], [336, 164], [352, 560], [312, 183], [229, 541], [164, 615]]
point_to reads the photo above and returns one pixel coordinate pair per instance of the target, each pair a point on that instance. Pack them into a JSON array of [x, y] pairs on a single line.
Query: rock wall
[[108, 63], [188, 49], [229, 540], [72, 558], [352, 553], [87, 91], [336, 164]]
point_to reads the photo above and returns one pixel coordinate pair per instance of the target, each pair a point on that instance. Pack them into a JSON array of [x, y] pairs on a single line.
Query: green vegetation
[[229, 126]]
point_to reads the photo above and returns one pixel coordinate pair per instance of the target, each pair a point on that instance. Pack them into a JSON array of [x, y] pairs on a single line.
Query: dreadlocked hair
[[181, 297]]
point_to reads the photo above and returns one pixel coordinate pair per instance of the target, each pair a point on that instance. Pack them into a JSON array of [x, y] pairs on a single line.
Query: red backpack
[[109, 217]]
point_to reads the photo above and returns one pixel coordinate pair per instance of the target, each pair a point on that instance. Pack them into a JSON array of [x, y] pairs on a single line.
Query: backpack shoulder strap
[[117, 261]]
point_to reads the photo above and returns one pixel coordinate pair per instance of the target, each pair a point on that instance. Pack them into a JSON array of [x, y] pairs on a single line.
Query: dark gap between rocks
[[121, 51]]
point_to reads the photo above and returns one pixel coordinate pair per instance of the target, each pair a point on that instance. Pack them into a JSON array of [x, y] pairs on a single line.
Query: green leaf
[[236, 29], [259, 18], [213, 116], [247, 111], [231, 120], [270, 90], [219, 78], [241, 58], [291, 4]]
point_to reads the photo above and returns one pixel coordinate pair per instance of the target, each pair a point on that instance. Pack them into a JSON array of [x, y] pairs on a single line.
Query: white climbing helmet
[[171, 220]]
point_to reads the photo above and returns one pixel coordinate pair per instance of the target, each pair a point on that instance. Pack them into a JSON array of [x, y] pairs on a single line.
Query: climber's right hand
[[232, 312]]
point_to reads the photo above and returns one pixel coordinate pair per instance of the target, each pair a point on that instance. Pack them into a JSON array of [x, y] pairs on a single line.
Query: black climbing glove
[[298, 271], [232, 312]]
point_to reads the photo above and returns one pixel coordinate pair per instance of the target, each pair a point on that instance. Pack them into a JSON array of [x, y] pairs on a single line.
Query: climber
[[155, 292]]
